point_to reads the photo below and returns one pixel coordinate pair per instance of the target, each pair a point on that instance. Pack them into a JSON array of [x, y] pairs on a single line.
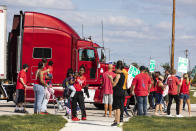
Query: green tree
[[166, 66]]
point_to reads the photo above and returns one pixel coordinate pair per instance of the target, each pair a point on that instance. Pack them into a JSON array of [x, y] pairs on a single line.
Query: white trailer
[[3, 42], [3, 51]]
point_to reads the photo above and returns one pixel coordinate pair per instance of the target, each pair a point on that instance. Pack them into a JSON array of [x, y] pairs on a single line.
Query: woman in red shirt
[[79, 84], [184, 93], [159, 95]]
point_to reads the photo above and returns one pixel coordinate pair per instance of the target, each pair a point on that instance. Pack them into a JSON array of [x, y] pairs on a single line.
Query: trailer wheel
[[14, 97], [99, 106]]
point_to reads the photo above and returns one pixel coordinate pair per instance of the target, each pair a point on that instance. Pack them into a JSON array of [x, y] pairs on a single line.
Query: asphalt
[[95, 119]]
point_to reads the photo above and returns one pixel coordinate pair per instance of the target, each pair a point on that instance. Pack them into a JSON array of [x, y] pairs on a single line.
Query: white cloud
[[186, 37], [191, 2], [129, 34], [57, 4], [122, 21], [164, 25]]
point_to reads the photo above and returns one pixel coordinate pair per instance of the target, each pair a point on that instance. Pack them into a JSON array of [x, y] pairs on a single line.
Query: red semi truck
[[35, 36]]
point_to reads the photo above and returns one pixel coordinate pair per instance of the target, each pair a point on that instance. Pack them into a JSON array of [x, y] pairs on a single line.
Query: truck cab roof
[[35, 19]]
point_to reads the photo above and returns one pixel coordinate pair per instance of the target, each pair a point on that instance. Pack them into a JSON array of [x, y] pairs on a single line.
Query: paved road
[[95, 119]]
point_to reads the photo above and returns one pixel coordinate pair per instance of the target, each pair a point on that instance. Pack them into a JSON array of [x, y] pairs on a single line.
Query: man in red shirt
[[140, 87], [79, 84], [174, 84], [108, 90], [20, 87]]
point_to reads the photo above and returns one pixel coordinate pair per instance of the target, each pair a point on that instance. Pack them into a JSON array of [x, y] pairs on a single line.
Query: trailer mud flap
[[4, 93]]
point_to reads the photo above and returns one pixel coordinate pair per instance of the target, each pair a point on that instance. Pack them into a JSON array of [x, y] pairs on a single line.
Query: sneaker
[[162, 113], [75, 119], [23, 111], [170, 115], [114, 124], [156, 114], [84, 118], [179, 115], [150, 108], [16, 111], [42, 113]]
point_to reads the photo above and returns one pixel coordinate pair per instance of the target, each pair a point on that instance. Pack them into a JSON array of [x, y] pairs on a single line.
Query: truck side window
[[42, 53], [86, 55]]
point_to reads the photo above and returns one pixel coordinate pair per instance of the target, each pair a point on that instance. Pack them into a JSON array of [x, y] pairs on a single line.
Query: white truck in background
[[3, 52]]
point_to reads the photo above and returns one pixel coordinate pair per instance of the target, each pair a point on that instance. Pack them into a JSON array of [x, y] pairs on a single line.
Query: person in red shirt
[[173, 83], [159, 95], [108, 90], [48, 79], [20, 89], [140, 87], [79, 84], [184, 93]]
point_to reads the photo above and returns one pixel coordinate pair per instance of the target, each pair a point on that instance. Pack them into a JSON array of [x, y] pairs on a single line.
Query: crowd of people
[[157, 89]]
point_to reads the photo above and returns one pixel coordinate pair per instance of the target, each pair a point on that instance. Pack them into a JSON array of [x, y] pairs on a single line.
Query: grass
[[192, 98], [160, 124], [32, 123]]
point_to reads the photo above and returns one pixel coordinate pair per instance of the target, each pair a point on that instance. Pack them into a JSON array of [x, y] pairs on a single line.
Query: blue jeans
[[141, 105], [39, 96]]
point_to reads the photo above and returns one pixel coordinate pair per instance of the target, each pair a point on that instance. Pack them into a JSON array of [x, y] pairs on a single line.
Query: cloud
[[186, 37], [122, 21], [130, 34], [56, 4], [164, 25]]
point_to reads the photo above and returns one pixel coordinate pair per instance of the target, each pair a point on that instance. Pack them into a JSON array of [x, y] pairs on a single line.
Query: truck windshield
[[86, 55], [101, 54]]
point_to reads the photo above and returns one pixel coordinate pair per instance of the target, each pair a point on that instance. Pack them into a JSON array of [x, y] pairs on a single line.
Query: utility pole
[[173, 35], [186, 54], [82, 31], [102, 32]]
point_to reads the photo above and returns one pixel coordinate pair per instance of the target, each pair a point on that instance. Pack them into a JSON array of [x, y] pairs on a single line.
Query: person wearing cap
[[20, 89], [140, 87], [159, 95]]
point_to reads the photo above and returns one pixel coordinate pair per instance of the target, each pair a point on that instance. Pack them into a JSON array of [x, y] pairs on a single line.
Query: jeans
[[141, 105], [47, 95], [151, 99], [176, 98], [39, 96]]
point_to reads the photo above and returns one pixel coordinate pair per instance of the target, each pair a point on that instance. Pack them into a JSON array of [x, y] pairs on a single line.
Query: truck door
[[88, 59]]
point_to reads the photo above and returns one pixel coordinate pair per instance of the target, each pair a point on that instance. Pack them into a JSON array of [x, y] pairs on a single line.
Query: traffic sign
[[152, 65], [182, 65], [133, 71], [193, 72]]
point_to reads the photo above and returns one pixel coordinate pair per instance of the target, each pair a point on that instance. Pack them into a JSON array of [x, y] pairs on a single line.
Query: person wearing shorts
[[108, 90], [159, 95], [184, 93], [118, 93], [20, 89]]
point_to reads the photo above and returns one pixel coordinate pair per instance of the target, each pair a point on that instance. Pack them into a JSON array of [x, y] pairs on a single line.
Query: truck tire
[[99, 106]]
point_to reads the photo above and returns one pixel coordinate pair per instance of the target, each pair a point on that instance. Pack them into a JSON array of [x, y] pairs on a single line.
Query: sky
[[133, 30]]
